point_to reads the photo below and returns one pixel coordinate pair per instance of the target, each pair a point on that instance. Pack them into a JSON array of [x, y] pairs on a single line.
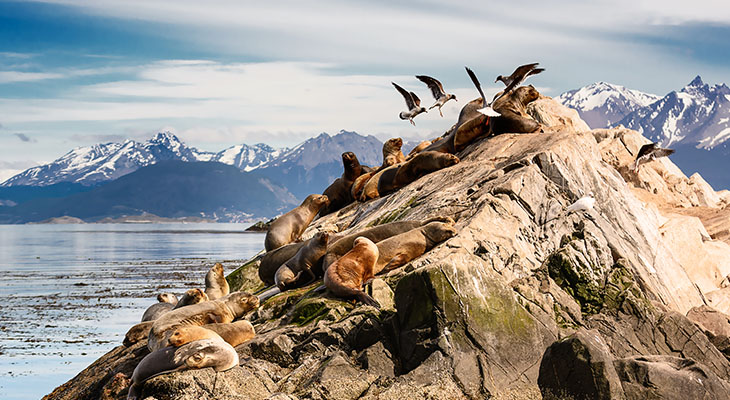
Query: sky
[[220, 73]]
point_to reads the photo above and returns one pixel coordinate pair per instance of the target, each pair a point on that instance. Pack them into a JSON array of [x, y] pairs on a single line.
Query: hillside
[[525, 299]]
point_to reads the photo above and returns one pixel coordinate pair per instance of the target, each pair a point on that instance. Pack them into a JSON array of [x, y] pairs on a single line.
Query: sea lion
[[398, 250], [445, 144], [272, 260], [137, 332], [513, 117], [214, 353], [166, 302], [338, 192], [222, 310], [345, 277], [190, 333], [300, 266], [233, 333], [359, 184], [422, 164], [370, 190], [392, 153], [290, 226], [338, 247], [419, 148], [192, 296], [216, 285]]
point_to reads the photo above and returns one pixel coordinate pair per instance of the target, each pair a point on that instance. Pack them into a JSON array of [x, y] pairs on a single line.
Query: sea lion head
[[196, 296], [208, 353], [437, 232], [392, 145], [187, 334], [284, 277], [526, 94], [321, 238], [241, 302], [349, 160], [363, 242], [217, 268], [167, 298], [316, 200], [448, 160]]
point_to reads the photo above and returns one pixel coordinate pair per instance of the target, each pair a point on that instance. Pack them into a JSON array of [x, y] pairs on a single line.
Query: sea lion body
[[222, 310], [345, 277], [513, 117], [392, 153], [216, 285], [370, 190], [338, 247], [338, 192], [359, 184], [192, 296], [272, 260], [299, 267], [420, 147], [233, 333], [398, 250], [214, 353], [190, 333], [290, 226], [421, 164]]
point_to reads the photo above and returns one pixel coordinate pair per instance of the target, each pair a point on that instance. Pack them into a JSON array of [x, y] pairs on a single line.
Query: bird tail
[[477, 84]]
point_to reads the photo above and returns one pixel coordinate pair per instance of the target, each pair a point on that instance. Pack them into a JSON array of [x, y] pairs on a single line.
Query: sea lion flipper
[[396, 262], [365, 298]]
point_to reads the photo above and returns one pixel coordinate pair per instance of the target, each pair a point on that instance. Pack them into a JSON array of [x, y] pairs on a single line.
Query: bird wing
[[437, 90], [406, 95], [534, 71], [522, 71], [416, 99], [663, 152], [645, 150], [477, 84]]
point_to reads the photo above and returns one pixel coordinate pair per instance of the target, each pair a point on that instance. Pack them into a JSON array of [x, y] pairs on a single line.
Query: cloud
[[92, 138], [10, 54], [19, 76], [23, 137]]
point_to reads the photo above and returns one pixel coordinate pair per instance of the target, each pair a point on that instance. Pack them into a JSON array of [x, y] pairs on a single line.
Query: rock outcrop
[[524, 297]]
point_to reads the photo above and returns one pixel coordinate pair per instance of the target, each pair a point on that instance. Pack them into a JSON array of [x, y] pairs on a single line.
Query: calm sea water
[[70, 292]]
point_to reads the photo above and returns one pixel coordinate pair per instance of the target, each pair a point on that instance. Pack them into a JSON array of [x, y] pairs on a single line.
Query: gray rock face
[[484, 314]]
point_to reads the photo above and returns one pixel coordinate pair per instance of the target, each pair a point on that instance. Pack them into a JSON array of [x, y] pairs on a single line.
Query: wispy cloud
[[10, 54], [19, 76]]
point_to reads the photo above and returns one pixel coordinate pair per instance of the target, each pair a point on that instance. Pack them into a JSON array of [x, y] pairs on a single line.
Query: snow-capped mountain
[[603, 104], [698, 115], [104, 162], [312, 165], [248, 158]]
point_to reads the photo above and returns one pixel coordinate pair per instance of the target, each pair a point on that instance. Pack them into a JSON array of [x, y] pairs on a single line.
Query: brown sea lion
[[338, 192], [290, 226], [338, 247], [214, 353], [137, 332], [272, 260], [298, 269], [192, 296], [222, 310], [190, 333], [166, 302], [359, 184], [392, 153], [513, 117], [422, 164], [445, 144], [216, 285], [420, 147], [233, 333], [398, 250], [370, 190], [345, 277]]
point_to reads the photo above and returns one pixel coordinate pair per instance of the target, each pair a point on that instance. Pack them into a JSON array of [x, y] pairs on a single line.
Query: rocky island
[[625, 300]]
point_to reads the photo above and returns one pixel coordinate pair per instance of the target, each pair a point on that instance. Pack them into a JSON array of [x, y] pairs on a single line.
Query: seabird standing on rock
[[650, 152], [585, 203], [437, 89], [412, 102]]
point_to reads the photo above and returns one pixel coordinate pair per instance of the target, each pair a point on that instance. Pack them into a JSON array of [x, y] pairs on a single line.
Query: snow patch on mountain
[[601, 104]]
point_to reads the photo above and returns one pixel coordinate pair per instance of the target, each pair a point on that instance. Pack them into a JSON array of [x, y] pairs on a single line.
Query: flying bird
[[650, 152], [437, 89], [412, 102], [486, 107], [585, 203], [517, 77]]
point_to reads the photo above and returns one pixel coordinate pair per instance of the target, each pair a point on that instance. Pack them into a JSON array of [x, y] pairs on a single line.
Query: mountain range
[[80, 182], [694, 120]]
